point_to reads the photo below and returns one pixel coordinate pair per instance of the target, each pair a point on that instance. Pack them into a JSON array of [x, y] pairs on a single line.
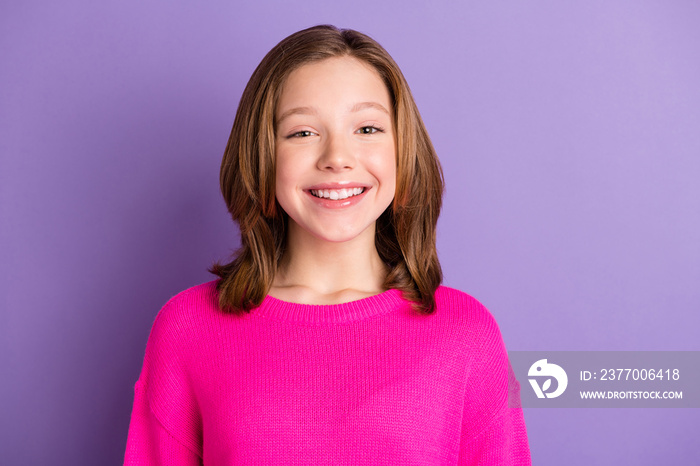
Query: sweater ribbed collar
[[381, 303]]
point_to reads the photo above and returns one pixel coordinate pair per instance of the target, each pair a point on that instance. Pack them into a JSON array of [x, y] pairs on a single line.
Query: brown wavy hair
[[405, 232]]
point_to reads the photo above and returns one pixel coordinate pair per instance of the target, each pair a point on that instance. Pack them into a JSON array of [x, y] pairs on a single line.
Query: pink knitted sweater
[[366, 382]]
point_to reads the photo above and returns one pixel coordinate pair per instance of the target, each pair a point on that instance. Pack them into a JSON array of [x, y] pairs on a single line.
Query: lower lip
[[339, 203]]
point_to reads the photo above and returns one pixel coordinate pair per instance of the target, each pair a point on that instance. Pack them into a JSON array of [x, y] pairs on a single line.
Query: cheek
[[386, 168], [284, 172], [287, 177]]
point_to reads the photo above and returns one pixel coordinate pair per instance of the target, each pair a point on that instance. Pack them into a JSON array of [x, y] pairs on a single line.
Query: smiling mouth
[[336, 194]]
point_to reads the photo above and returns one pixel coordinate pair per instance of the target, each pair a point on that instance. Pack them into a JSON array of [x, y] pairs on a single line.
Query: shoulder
[[197, 296], [487, 354], [168, 372], [180, 326], [184, 313], [453, 301], [452, 296], [468, 313]]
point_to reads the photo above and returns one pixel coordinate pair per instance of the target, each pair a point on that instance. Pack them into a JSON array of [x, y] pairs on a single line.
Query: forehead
[[333, 81]]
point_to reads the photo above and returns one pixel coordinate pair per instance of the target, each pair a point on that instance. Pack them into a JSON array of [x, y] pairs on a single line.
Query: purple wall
[[570, 137]]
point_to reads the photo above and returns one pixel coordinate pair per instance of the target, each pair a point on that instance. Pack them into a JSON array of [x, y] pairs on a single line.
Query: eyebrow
[[312, 111]]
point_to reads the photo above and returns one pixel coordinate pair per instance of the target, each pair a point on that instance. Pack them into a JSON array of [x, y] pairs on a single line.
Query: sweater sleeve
[[149, 443], [165, 423], [493, 425]]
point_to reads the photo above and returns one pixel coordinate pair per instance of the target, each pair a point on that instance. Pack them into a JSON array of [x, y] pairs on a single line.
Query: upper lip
[[338, 185]]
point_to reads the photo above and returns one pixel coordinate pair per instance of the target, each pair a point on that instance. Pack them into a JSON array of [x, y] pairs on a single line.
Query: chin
[[337, 237]]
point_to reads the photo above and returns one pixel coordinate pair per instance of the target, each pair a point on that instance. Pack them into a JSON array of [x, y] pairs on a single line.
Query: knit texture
[[366, 382]]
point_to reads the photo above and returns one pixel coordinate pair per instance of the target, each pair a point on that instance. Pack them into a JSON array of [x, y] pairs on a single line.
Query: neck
[[316, 271]]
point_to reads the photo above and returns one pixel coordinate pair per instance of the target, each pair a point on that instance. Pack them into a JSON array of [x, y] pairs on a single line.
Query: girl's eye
[[368, 130], [301, 134]]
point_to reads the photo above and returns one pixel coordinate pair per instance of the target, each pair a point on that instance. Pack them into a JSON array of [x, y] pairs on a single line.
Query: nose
[[337, 154]]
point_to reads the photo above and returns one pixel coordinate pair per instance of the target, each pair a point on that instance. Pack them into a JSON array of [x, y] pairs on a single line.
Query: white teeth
[[336, 194]]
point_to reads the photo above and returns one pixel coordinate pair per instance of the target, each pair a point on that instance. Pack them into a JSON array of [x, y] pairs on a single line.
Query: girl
[[329, 339]]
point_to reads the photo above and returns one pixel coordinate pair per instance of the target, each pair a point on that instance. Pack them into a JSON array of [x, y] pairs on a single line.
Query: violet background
[[570, 137]]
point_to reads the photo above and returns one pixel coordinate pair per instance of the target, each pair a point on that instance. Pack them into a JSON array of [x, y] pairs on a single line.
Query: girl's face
[[335, 149]]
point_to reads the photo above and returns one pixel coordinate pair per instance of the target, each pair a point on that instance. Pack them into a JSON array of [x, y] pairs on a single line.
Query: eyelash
[[298, 133], [373, 129]]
